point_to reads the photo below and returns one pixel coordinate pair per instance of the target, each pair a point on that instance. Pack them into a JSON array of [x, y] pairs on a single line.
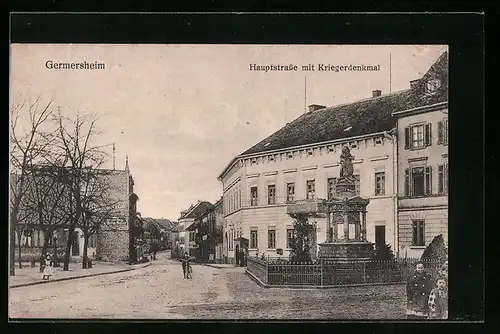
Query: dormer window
[[432, 85]]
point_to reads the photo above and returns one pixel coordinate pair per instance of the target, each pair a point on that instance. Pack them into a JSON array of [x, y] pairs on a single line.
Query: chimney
[[414, 83], [314, 107], [377, 93]]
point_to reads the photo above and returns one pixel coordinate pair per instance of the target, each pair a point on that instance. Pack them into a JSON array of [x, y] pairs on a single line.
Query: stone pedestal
[[346, 251]]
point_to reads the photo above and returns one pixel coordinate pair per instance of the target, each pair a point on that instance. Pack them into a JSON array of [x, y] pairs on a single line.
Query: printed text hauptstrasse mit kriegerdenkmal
[[314, 67]]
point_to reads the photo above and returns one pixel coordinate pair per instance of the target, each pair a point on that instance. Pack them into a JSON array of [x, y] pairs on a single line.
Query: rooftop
[[359, 118]]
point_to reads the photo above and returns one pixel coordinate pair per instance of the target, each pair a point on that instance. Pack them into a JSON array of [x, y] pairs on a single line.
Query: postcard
[[228, 181]]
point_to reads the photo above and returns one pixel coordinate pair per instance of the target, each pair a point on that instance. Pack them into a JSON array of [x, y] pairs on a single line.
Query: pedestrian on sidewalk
[[438, 300], [47, 271], [185, 263], [418, 288]]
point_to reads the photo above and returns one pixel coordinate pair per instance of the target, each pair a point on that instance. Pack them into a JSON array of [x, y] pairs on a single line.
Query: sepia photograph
[[228, 181]]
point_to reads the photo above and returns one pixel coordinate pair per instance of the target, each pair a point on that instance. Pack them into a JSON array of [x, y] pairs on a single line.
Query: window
[[443, 179], [290, 192], [330, 186], [289, 238], [357, 183], [253, 239], [418, 181], [271, 194], [379, 183], [418, 136], [310, 189], [253, 196], [418, 233], [432, 85], [271, 239], [443, 132]]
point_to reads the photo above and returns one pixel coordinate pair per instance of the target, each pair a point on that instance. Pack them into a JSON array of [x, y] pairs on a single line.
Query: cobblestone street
[[160, 292]]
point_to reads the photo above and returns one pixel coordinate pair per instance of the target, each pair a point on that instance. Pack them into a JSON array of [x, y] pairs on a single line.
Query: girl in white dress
[[47, 271]]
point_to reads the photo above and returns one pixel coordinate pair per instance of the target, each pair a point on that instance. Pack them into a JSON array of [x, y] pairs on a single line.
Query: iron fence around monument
[[280, 272]]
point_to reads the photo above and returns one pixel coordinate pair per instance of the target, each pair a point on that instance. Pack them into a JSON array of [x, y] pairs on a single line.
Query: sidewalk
[[220, 265], [32, 276]]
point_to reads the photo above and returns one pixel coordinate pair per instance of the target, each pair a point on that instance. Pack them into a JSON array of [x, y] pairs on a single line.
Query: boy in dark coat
[[418, 288]]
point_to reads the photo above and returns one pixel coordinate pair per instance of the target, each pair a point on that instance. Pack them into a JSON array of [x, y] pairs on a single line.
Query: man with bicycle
[[186, 266]]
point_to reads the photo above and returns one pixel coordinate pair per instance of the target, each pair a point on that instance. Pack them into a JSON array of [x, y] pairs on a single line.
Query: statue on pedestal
[[346, 167]]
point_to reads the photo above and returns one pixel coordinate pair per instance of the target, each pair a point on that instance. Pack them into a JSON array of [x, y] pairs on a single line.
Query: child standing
[[438, 300]]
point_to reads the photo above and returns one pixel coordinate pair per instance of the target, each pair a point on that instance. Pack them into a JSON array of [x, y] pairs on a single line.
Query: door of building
[[75, 245], [379, 236]]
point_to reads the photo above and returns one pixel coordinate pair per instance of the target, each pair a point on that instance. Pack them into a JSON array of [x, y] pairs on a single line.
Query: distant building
[[187, 229], [175, 247], [109, 243], [219, 231], [158, 232], [422, 131], [208, 234]]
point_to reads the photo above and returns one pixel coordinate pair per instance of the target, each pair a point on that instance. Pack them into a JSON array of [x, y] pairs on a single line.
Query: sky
[[182, 112]]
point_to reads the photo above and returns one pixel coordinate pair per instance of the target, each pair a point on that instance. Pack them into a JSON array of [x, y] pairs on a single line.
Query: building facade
[[423, 162], [114, 239], [219, 231], [109, 242], [187, 235], [301, 161], [259, 183]]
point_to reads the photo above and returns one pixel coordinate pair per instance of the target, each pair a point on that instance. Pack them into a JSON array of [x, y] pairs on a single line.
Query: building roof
[[359, 118], [193, 226], [175, 227], [164, 223], [197, 210]]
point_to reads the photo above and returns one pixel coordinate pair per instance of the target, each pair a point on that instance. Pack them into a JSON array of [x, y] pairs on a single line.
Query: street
[[159, 292]]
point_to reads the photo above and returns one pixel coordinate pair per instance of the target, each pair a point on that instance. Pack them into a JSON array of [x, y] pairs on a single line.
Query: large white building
[[423, 162], [301, 161]]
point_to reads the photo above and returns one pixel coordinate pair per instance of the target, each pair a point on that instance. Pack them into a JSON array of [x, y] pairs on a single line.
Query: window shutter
[[440, 133], [428, 180], [414, 234], [440, 179], [407, 137], [446, 178], [407, 182], [428, 134]]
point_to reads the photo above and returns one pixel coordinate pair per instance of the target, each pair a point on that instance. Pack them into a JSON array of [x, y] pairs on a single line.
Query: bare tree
[[26, 145], [48, 201], [74, 138]]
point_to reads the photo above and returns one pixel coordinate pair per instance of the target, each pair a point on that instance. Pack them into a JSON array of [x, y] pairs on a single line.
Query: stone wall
[[113, 246], [113, 236]]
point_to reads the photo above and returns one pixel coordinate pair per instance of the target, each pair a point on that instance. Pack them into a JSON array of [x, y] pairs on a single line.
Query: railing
[[334, 273], [259, 268]]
